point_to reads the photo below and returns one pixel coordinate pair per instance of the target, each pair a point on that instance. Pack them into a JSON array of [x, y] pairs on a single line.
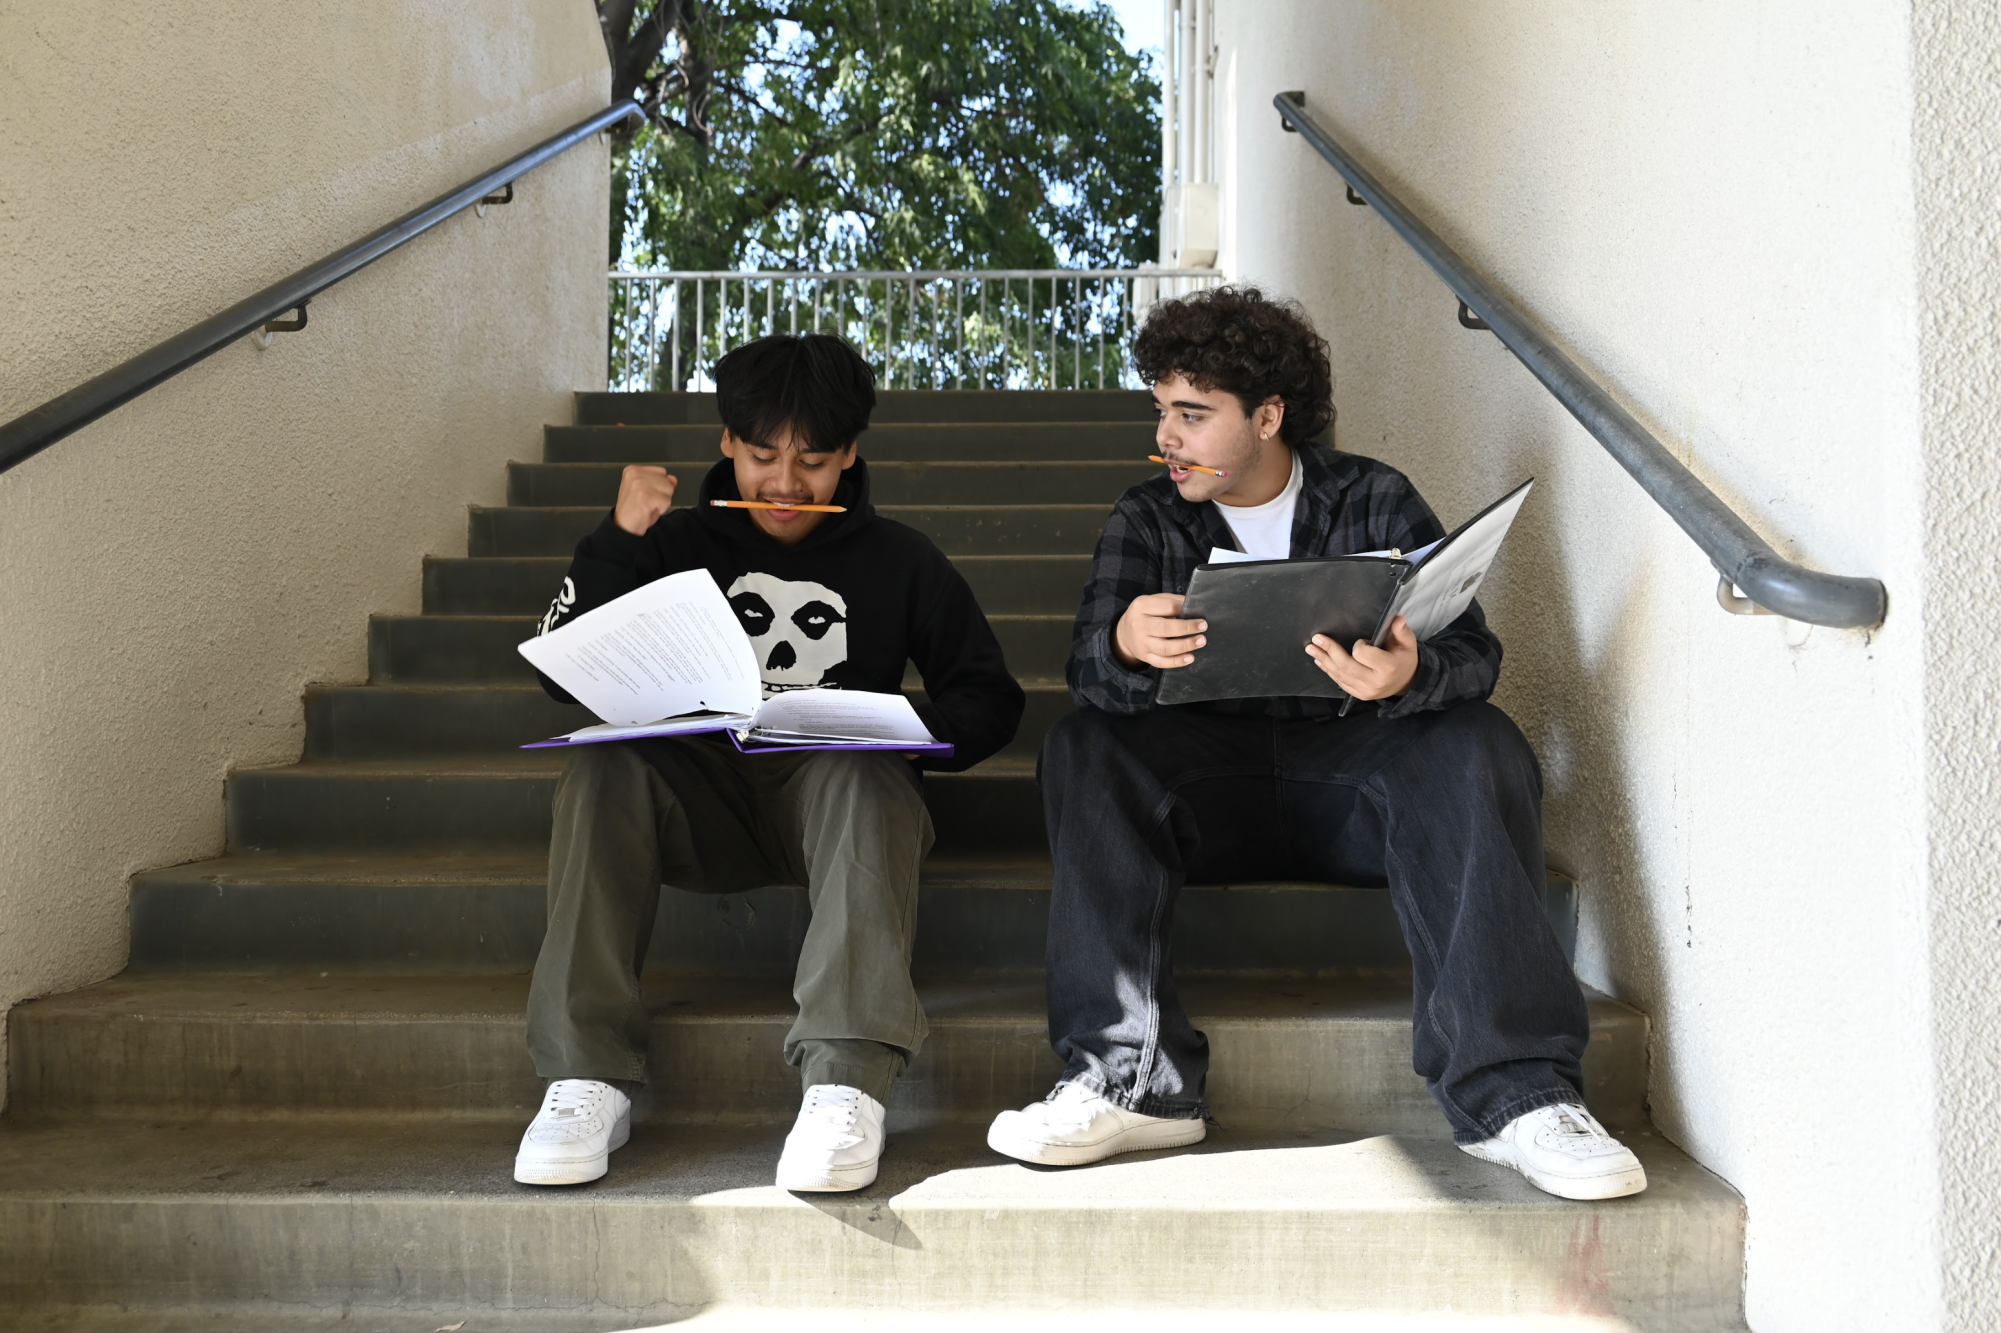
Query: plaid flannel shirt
[[1347, 504]]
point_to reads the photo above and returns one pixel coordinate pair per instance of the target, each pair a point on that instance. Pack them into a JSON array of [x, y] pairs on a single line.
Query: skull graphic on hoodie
[[799, 630]]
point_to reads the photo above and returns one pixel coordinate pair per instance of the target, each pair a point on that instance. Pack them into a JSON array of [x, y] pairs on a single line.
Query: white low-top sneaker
[[1565, 1152], [1076, 1126], [835, 1143], [574, 1134]]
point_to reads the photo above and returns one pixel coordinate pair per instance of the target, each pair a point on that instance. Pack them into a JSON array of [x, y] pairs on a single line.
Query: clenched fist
[[644, 494]]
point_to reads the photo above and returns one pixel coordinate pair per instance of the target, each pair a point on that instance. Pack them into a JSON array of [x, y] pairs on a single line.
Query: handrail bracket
[[263, 336]]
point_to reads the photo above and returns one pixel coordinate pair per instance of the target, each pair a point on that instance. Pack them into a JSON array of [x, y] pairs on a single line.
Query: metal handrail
[[34, 431], [1740, 555]]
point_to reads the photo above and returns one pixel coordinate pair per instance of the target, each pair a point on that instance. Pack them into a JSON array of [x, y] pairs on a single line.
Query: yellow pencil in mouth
[[1187, 467], [766, 504]]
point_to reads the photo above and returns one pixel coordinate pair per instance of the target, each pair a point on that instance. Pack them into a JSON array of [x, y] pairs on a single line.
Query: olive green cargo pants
[[694, 813]]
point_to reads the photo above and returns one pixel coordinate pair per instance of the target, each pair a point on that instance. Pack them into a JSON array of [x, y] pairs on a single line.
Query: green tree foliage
[[882, 133]]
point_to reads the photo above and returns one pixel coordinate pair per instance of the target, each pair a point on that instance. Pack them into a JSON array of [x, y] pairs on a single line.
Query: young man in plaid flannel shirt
[[1424, 787]]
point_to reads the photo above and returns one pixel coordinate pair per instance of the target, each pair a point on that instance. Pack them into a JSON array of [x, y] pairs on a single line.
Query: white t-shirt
[[1265, 531]]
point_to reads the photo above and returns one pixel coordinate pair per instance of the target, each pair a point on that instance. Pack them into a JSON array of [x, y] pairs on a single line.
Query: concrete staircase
[[298, 1108]]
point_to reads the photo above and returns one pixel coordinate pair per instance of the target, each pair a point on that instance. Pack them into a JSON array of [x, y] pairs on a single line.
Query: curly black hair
[[1243, 342]]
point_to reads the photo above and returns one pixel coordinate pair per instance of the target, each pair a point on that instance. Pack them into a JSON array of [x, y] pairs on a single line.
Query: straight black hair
[[812, 384]]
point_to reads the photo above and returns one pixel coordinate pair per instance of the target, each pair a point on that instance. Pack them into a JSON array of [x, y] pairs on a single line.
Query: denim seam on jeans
[[1419, 932], [1151, 1049]]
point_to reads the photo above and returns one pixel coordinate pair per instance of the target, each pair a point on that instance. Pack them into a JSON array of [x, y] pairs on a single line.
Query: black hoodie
[[846, 607]]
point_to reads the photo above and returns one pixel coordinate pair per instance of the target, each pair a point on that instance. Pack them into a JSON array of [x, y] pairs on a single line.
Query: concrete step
[[470, 912], [890, 483], [894, 405], [386, 1221], [1285, 1054], [1046, 585], [957, 529], [962, 441], [726, 1318], [500, 802], [405, 721], [480, 650]]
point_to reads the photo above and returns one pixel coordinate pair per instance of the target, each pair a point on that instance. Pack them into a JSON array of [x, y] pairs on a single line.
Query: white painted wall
[[1786, 838], [174, 573], [1957, 136]]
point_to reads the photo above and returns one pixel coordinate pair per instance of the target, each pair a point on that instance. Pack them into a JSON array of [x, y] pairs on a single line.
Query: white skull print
[[799, 630]]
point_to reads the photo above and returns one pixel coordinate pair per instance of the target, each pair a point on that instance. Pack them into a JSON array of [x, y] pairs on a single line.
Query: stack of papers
[[671, 659]]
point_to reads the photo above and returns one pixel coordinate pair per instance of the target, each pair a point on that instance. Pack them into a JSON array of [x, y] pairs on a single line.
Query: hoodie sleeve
[[973, 702], [609, 563]]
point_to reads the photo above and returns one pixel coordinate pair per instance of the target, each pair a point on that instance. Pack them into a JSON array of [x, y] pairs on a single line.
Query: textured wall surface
[[1711, 207], [1958, 150], [177, 571]]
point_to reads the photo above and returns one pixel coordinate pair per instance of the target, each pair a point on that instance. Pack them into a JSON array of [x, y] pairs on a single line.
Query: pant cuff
[[1139, 1103], [1491, 1124], [621, 1074], [876, 1078]]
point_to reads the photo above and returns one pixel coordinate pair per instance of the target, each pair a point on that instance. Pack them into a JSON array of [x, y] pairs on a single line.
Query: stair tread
[[723, 1317], [482, 869], [892, 509], [696, 997], [466, 1161], [526, 620], [518, 866], [1125, 461], [448, 688], [529, 764]]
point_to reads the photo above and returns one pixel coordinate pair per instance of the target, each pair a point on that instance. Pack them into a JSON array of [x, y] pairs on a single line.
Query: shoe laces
[[573, 1098], [1071, 1104], [829, 1113], [1574, 1125]]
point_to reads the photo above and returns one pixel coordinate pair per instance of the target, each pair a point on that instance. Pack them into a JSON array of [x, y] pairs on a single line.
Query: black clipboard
[[1261, 614]]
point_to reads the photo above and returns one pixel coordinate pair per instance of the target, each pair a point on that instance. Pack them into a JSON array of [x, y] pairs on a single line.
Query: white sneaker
[[1075, 1126], [574, 1134], [1563, 1151], [836, 1142]]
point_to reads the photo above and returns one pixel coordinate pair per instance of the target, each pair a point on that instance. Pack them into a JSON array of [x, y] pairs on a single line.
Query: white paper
[[1219, 556], [1445, 583], [856, 715], [670, 647], [689, 724]]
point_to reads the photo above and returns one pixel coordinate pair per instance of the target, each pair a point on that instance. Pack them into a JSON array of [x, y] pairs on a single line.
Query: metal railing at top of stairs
[[34, 431], [1768, 581], [1050, 328]]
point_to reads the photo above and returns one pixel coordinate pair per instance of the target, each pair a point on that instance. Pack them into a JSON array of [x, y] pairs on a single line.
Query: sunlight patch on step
[[1016, 1318], [1375, 1172]]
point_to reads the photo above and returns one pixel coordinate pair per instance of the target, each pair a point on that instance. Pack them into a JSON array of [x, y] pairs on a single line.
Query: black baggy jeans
[[1442, 807]]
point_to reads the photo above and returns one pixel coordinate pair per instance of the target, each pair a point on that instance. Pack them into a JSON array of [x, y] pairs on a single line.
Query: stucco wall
[[1712, 208], [177, 571], [1958, 154]]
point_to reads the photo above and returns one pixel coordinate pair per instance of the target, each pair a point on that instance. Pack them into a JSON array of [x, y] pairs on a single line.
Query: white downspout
[[1169, 147]]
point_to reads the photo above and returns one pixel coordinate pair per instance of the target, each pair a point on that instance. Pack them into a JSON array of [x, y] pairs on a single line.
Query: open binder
[[671, 659], [1261, 613]]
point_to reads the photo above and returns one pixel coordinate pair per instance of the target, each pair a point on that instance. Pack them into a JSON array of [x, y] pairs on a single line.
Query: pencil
[[761, 504], [1188, 467]]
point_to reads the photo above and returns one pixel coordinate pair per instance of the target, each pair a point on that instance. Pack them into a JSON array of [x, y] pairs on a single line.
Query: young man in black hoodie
[[841, 599]]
